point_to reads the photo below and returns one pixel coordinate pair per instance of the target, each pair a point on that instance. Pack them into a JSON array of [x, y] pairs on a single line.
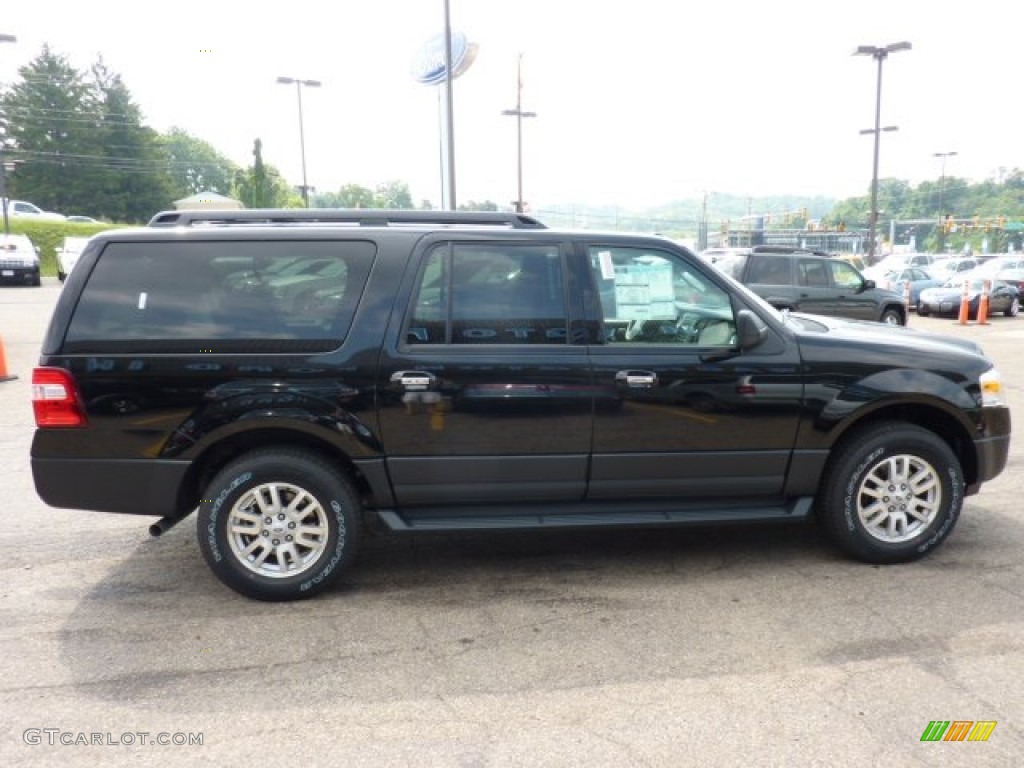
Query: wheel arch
[[900, 309], [217, 455], [945, 425]]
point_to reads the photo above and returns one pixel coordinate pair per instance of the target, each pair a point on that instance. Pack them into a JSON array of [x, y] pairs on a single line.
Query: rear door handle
[[637, 379]]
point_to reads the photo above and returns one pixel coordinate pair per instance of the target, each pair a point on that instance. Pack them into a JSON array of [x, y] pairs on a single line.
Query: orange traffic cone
[[983, 304], [965, 304], [4, 375]]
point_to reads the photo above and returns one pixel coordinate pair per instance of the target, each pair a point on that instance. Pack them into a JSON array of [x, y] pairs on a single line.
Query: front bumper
[[991, 447]]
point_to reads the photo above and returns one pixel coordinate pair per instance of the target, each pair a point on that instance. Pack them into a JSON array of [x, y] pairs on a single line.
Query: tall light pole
[[302, 133], [942, 191], [519, 115], [4, 38], [879, 54]]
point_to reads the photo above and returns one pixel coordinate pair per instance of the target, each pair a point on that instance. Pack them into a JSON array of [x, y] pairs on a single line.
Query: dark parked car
[[946, 299], [478, 371], [812, 282], [897, 280]]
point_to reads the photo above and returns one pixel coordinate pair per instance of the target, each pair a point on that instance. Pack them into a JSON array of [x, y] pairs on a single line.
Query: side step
[[592, 515]]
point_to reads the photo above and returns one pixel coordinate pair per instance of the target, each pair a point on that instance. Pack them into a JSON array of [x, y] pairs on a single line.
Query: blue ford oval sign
[[429, 67]]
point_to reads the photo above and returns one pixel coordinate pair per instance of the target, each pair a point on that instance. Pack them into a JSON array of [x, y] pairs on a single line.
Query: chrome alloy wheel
[[898, 498], [277, 530]]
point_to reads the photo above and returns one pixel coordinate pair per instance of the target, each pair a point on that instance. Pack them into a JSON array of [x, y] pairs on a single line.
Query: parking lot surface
[[728, 646]]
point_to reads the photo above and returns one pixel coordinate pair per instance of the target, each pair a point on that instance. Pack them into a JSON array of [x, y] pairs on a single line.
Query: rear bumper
[[141, 487]]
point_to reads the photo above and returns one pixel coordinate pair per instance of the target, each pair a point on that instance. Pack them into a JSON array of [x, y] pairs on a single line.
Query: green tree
[[262, 186], [133, 182], [393, 194], [50, 125], [196, 166], [472, 205]]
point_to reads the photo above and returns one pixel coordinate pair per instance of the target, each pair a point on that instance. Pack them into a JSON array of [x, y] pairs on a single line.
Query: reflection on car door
[[851, 300], [695, 417], [815, 292], [486, 397]]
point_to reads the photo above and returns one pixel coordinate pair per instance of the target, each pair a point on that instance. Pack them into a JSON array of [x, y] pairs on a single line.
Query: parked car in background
[[857, 262], [992, 267], [946, 299], [20, 208], [1014, 277], [712, 255], [943, 269], [19, 260], [67, 255], [897, 279], [82, 220], [813, 282]]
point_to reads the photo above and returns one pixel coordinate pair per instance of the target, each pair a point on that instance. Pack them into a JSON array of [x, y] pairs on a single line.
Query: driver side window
[[654, 297]]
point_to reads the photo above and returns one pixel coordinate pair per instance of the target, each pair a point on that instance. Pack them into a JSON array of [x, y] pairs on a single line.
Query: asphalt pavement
[[758, 646]]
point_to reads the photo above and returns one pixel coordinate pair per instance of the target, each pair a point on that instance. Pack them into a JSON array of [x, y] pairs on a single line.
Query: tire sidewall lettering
[[849, 507], [955, 502], [339, 549], [211, 528]]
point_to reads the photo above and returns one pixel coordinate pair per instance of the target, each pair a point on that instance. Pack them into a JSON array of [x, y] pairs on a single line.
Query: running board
[[594, 515]]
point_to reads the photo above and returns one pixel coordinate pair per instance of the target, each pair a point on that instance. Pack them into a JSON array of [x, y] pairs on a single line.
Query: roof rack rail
[[365, 217]]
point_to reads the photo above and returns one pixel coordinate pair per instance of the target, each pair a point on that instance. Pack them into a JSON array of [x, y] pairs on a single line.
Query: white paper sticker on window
[[142, 300], [607, 267]]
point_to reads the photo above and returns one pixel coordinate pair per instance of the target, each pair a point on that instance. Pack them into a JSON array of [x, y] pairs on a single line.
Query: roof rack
[[365, 217]]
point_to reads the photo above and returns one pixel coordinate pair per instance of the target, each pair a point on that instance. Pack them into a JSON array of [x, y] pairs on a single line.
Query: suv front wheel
[[892, 317], [278, 524], [892, 493]]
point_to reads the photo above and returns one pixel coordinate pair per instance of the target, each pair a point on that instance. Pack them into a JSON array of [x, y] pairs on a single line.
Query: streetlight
[[519, 115], [942, 190], [879, 54], [5, 38], [302, 135]]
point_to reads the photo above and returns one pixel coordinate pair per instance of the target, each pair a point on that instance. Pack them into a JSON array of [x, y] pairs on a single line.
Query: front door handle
[[414, 380], [637, 379]]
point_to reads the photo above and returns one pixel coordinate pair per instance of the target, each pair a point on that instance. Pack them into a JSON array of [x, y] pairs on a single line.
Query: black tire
[[327, 522], [1014, 308], [922, 310], [61, 276], [891, 317], [867, 459]]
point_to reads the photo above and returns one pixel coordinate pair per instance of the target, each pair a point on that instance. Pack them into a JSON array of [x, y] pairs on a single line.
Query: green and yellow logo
[[958, 730]]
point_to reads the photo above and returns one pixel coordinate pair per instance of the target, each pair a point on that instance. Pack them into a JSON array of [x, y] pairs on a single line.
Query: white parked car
[[20, 208], [67, 255], [19, 260]]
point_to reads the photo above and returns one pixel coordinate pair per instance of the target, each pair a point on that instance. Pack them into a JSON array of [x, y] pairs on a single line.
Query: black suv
[[296, 375], [813, 282]]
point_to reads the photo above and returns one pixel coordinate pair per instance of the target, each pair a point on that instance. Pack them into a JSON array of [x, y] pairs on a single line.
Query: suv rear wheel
[[892, 493], [278, 524]]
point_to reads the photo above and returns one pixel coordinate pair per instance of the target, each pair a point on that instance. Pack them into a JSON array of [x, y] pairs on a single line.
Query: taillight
[[55, 399]]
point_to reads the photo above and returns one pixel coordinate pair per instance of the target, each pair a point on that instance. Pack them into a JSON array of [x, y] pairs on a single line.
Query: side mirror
[[869, 285], [750, 329]]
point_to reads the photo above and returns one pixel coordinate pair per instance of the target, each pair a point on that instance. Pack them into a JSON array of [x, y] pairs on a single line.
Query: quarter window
[[285, 296]]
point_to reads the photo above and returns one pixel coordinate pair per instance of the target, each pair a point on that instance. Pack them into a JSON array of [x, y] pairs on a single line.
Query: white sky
[[638, 103]]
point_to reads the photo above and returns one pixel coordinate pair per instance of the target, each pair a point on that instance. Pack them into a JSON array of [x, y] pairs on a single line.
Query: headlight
[[991, 384]]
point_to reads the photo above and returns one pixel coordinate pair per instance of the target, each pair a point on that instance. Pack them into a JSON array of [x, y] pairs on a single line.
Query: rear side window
[[493, 293], [284, 296]]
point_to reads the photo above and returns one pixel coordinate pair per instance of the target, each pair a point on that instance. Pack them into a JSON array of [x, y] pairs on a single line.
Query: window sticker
[[607, 267]]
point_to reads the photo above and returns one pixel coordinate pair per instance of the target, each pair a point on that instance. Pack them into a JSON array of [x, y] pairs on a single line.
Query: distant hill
[[681, 218]]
